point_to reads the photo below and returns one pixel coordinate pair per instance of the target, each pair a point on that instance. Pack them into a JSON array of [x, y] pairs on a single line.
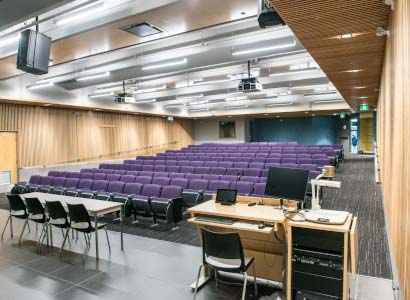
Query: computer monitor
[[226, 197], [287, 183]]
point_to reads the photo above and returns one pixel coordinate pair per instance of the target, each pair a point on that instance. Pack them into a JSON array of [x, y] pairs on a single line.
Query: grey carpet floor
[[359, 195]]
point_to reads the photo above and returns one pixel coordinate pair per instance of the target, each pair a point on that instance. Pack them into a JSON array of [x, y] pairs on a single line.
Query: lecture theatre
[[205, 149]]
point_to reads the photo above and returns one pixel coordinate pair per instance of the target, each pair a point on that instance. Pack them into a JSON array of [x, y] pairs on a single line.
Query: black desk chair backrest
[[223, 245], [79, 215], [16, 204], [56, 212], [35, 208]]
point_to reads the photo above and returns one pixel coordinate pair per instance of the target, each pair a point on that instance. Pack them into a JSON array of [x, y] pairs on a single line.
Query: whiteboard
[[5, 177]]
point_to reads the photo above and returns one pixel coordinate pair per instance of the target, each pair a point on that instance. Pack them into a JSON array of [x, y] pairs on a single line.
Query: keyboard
[[214, 220]]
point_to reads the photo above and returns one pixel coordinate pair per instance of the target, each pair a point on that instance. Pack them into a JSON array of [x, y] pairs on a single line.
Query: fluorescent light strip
[[82, 15], [238, 98], [236, 107], [163, 65], [175, 105], [190, 96], [146, 101], [327, 101], [262, 49], [199, 109], [152, 89], [9, 40], [14, 52], [211, 81], [39, 86], [320, 93], [100, 95], [200, 102], [90, 77], [308, 87], [295, 72], [278, 104]]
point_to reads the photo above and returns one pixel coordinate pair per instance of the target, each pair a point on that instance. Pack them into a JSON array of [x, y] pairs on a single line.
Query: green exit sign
[[342, 116], [364, 107]]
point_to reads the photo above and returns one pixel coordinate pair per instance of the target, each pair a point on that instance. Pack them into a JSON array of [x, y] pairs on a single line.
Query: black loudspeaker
[[34, 52]]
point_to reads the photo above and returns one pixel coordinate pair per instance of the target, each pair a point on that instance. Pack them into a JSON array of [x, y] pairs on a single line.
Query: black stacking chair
[[224, 252], [18, 210], [81, 222], [36, 213], [57, 217]]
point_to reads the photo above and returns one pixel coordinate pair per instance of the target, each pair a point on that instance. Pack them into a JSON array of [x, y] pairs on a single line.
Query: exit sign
[[364, 107], [342, 116]]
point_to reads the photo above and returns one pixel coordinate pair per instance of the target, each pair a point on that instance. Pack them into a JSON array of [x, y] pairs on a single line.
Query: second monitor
[[226, 197]]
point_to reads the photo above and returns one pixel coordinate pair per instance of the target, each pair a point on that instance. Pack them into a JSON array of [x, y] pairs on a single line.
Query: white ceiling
[[205, 85]]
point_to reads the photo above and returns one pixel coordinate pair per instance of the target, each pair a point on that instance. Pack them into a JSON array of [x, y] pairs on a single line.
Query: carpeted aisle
[[359, 195]]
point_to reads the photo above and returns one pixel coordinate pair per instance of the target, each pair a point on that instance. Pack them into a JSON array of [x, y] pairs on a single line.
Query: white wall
[[207, 131]]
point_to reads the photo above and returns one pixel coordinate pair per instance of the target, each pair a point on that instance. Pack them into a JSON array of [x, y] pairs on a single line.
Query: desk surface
[[92, 205], [259, 213], [319, 226]]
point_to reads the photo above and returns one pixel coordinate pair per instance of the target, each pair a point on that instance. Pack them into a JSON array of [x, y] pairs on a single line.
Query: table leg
[[96, 237], [122, 227]]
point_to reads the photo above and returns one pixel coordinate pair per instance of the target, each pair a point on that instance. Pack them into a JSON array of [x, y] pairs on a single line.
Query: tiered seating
[[153, 185]]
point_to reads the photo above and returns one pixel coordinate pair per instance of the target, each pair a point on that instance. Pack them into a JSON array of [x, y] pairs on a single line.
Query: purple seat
[[252, 172], [106, 171], [264, 173], [162, 181], [202, 170], [231, 159], [197, 164], [127, 178], [86, 175], [273, 160], [193, 176], [229, 178], [176, 175], [211, 164], [120, 172], [168, 205], [146, 173], [290, 166], [302, 161], [135, 167], [130, 190], [140, 203], [113, 188], [215, 185], [288, 161], [225, 164], [256, 165], [173, 169], [87, 170], [319, 156], [149, 162], [160, 168], [53, 173], [184, 163], [58, 181], [170, 163], [258, 160], [147, 168], [241, 165], [273, 165], [259, 190], [85, 184], [211, 177], [99, 176], [143, 179], [218, 171], [182, 182], [74, 175], [133, 173], [160, 162], [187, 169], [234, 171], [242, 187], [113, 177], [71, 183], [310, 167], [321, 162], [262, 179], [253, 179], [100, 185], [46, 180], [128, 161], [160, 174], [168, 193], [196, 185]]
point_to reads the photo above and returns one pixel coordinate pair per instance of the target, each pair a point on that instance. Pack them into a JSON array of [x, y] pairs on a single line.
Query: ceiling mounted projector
[[250, 84], [268, 16], [124, 98]]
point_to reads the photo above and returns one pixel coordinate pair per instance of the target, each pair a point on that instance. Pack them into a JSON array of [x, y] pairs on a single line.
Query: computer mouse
[[261, 226]]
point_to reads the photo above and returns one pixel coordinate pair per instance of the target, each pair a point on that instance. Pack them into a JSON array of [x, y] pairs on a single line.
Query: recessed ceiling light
[[229, 116], [353, 71], [375, 109], [261, 49], [135, 113], [164, 65], [277, 116], [97, 109], [306, 112], [41, 85], [359, 87], [346, 36], [266, 114], [362, 97], [47, 104], [313, 115], [335, 114], [95, 76]]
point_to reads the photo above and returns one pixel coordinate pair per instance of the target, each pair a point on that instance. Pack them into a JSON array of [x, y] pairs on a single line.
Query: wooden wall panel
[[54, 135], [394, 138]]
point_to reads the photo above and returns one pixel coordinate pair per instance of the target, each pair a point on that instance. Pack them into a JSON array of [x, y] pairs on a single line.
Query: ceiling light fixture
[[237, 98], [146, 101], [9, 40], [309, 87], [200, 102], [151, 89], [47, 104], [200, 82], [278, 104], [353, 71], [95, 76], [320, 93], [84, 12], [328, 101], [39, 86], [359, 87], [346, 36], [164, 65], [190, 96], [101, 95], [262, 49], [176, 105], [236, 107], [199, 109], [295, 72]]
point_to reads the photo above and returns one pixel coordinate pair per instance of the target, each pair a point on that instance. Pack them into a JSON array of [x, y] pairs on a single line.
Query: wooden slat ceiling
[[318, 24]]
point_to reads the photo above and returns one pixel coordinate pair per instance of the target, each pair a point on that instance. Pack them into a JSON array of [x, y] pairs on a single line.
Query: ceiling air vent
[[142, 29]]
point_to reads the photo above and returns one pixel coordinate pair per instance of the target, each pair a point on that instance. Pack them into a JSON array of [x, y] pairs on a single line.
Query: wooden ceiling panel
[[318, 24]]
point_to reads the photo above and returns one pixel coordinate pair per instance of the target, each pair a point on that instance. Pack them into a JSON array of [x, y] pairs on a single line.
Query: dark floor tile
[[47, 285], [20, 274]]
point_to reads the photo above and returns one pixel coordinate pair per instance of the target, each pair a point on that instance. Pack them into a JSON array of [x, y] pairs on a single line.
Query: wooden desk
[[94, 207]]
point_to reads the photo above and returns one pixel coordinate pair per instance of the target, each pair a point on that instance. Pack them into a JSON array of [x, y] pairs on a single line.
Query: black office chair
[[80, 221], [224, 252], [36, 213], [57, 217], [18, 210]]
